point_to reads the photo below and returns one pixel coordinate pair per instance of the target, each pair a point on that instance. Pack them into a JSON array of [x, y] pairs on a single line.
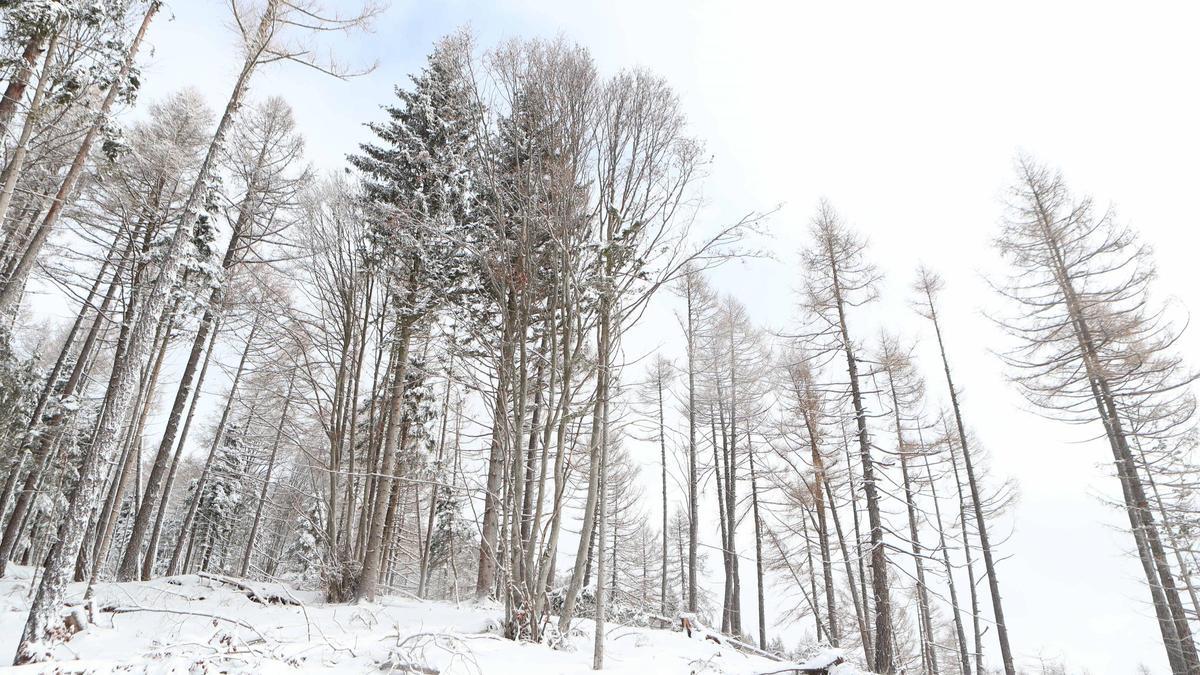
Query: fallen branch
[[692, 626], [415, 652], [251, 592], [181, 612]]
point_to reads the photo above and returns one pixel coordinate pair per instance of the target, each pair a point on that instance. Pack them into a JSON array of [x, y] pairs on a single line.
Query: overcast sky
[[907, 116]]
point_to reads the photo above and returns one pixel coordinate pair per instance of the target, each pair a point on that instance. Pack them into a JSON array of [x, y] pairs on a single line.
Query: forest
[[411, 374]]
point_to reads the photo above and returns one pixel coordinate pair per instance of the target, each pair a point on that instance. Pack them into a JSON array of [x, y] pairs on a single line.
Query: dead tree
[[1090, 347]]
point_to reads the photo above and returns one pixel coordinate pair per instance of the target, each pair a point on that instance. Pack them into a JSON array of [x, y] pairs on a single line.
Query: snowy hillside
[[191, 623], [416, 303]]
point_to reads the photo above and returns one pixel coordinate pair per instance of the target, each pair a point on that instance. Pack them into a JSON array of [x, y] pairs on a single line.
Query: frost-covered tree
[[417, 187]]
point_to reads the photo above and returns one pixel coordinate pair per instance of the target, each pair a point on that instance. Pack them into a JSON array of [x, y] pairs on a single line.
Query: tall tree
[[837, 278], [264, 166], [928, 286], [417, 186], [1090, 346]]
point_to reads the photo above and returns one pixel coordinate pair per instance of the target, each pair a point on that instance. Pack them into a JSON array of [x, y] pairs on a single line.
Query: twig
[[237, 622]]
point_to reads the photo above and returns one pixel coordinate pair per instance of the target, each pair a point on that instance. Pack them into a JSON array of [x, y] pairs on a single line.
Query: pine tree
[[417, 185]]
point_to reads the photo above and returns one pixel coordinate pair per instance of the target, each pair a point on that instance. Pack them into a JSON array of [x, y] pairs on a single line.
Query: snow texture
[[193, 624]]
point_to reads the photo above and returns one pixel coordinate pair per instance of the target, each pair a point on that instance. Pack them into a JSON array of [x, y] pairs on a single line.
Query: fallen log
[[692, 626], [254, 594]]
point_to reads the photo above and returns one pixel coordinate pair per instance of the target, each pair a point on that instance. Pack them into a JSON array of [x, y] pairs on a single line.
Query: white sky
[[908, 117]]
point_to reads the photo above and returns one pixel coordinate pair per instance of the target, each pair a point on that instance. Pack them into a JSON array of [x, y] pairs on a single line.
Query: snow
[[189, 624], [832, 659]]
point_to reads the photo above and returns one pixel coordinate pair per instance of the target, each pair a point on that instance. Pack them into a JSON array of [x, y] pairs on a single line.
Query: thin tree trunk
[[976, 503], [262, 495], [601, 600], [818, 491], [693, 473], [129, 569], [12, 172], [884, 662], [963, 519], [15, 90], [960, 633], [185, 527], [858, 541], [156, 532], [35, 419], [485, 580], [859, 611], [723, 518], [597, 453], [45, 441], [758, 553], [372, 561], [662, 451], [133, 441]]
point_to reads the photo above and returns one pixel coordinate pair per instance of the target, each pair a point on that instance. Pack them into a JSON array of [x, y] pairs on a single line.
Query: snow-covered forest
[[408, 389]]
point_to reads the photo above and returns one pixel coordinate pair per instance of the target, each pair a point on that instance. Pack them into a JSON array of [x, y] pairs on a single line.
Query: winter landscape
[[640, 337]]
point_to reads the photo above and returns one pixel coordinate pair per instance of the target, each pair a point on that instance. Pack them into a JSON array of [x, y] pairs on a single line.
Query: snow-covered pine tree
[[417, 185], [222, 499]]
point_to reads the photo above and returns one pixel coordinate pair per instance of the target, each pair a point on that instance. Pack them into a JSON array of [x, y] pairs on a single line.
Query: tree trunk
[[594, 471], [372, 561], [818, 491], [262, 495], [185, 534], [960, 633], [662, 450], [485, 580], [964, 519], [758, 554], [129, 569], [859, 611], [976, 504], [693, 471], [12, 172], [15, 90], [35, 419], [156, 531], [601, 600], [884, 662]]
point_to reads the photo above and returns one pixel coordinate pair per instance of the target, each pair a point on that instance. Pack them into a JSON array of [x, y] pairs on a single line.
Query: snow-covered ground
[[190, 624]]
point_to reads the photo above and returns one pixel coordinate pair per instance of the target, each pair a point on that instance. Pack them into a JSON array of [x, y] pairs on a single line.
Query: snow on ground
[[190, 624]]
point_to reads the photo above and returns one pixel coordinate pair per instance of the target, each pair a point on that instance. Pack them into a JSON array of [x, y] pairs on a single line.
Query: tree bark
[[884, 656], [12, 172], [662, 451], [693, 471], [15, 91], [817, 487], [156, 531], [960, 633], [758, 557], [485, 580], [129, 569]]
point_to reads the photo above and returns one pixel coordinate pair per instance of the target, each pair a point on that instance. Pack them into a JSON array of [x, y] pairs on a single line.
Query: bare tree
[[1090, 346], [838, 278], [928, 285]]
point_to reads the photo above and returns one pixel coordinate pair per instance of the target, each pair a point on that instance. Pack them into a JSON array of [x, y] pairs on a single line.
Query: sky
[[908, 118]]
